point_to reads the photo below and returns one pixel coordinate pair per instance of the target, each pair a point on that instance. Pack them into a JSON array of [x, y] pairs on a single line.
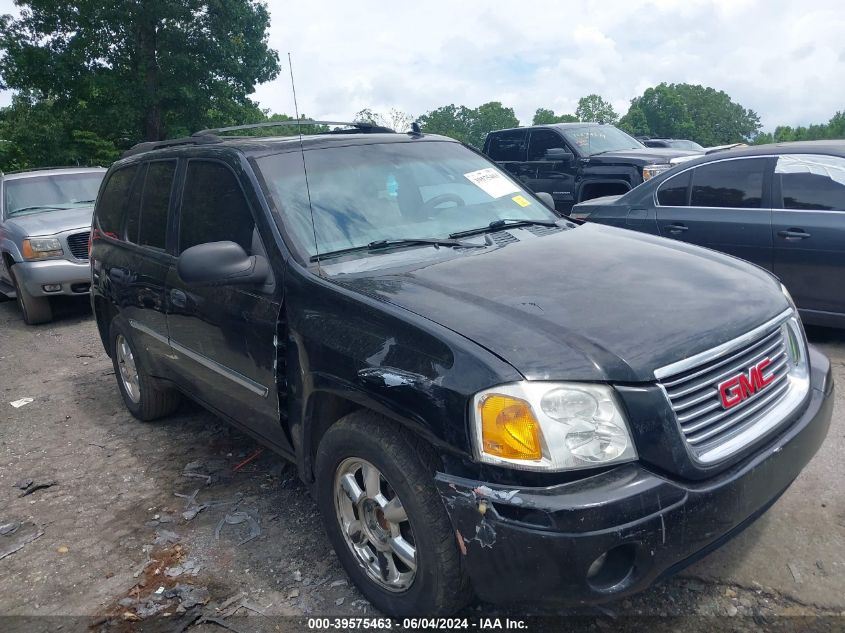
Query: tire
[[438, 585], [35, 310], [142, 394]]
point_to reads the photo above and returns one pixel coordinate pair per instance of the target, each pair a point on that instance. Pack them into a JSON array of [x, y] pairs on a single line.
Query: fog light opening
[[51, 287], [611, 569]]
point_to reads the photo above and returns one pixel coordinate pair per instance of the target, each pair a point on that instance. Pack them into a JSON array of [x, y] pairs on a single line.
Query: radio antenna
[[304, 167]]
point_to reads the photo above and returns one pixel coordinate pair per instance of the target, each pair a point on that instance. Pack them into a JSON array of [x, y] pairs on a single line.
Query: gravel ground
[[140, 518]]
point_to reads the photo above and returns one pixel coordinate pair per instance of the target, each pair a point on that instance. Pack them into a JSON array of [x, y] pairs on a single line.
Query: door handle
[[794, 234], [677, 228], [178, 298]]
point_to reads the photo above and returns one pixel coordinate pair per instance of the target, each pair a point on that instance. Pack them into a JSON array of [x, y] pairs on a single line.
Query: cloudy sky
[[783, 59]]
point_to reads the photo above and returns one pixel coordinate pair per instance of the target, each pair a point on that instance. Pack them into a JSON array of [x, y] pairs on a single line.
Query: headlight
[[650, 171], [550, 426], [42, 248], [789, 298]]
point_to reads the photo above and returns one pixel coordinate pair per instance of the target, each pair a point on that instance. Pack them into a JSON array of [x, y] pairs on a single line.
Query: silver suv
[[45, 221]]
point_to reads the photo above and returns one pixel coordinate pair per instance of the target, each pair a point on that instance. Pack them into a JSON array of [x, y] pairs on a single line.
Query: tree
[[635, 122], [705, 115], [544, 116], [128, 70], [594, 108], [833, 129], [469, 125], [394, 119]]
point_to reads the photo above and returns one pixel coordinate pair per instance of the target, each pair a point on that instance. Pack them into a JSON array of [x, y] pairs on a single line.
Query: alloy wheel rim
[[128, 369], [374, 524]]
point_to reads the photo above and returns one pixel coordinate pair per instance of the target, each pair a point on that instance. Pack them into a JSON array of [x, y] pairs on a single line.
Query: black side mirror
[[559, 155], [221, 263]]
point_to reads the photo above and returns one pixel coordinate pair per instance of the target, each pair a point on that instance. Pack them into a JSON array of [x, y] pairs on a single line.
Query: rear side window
[[673, 192], [112, 204], [507, 146], [812, 182], [541, 141], [155, 202], [729, 183], [214, 208]]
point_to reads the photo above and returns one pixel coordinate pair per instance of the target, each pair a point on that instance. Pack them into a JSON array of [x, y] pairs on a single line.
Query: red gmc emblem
[[741, 387]]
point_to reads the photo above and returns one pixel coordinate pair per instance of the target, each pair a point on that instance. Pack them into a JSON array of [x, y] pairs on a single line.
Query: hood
[[52, 222], [589, 303], [592, 202], [645, 156]]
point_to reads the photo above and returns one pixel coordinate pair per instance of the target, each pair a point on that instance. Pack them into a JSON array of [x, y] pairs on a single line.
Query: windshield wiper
[[501, 223], [37, 207], [381, 244]]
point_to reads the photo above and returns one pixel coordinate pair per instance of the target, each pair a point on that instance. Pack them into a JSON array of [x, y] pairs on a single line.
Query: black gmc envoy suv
[[484, 398]]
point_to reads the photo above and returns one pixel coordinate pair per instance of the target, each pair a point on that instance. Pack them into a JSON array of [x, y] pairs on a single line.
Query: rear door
[[509, 150], [145, 241], [223, 336], [723, 205], [808, 230]]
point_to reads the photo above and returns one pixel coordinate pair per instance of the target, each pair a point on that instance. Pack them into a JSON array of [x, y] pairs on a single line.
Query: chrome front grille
[[712, 419], [78, 245]]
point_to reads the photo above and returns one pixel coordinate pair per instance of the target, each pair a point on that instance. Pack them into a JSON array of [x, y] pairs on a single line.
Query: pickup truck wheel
[[386, 520], [142, 394], [35, 310]]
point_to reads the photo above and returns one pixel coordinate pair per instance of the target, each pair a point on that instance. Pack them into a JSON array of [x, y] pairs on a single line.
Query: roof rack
[[360, 126], [211, 135], [196, 139]]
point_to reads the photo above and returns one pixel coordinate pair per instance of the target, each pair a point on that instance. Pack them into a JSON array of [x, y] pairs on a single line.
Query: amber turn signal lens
[[27, 251], [509, 428]]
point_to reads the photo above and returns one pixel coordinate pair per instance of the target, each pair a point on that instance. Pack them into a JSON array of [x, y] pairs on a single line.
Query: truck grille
[[718, 396], [78, 245]]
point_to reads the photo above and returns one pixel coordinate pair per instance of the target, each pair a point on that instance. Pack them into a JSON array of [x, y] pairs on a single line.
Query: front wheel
[[35, 310], [385, 518]]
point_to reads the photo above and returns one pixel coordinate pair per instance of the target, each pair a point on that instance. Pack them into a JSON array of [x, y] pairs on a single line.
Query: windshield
[[40, 194], [682, 144], [361, 194], [597, 139]]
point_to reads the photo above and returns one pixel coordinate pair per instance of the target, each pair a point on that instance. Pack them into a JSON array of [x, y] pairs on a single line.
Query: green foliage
[[595, 109], [469, 125], [544, 116], [41, 133], [688, 111], [833, 129], [98, 77]]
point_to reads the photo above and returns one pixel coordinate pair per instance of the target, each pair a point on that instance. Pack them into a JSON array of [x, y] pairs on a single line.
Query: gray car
[[45, 221], [780, 206]]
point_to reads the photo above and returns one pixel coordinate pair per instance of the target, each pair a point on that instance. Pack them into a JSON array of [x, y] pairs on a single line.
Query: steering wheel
[[431, 205]]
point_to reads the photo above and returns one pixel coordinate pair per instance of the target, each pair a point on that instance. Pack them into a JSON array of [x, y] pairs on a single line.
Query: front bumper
[[537, 545], [75, 278]]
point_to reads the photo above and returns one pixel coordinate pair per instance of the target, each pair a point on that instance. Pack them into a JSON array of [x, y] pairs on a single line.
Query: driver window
[[214, 208], [541, 141]]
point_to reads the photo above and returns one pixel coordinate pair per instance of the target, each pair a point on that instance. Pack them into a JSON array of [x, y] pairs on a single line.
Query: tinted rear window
[[507, 145], [812, 182], [112, 203], [729, 183], [155, 202]]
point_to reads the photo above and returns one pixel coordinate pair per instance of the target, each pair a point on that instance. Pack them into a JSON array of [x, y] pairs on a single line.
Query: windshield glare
[[408, 190], [596, 139], [41, 194]]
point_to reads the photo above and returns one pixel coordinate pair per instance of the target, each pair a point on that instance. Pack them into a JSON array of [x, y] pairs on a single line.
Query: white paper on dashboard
[[491, 182]]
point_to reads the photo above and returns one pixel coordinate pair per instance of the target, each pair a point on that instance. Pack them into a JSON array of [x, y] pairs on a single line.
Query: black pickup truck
[[574, 162], [470, 418]]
